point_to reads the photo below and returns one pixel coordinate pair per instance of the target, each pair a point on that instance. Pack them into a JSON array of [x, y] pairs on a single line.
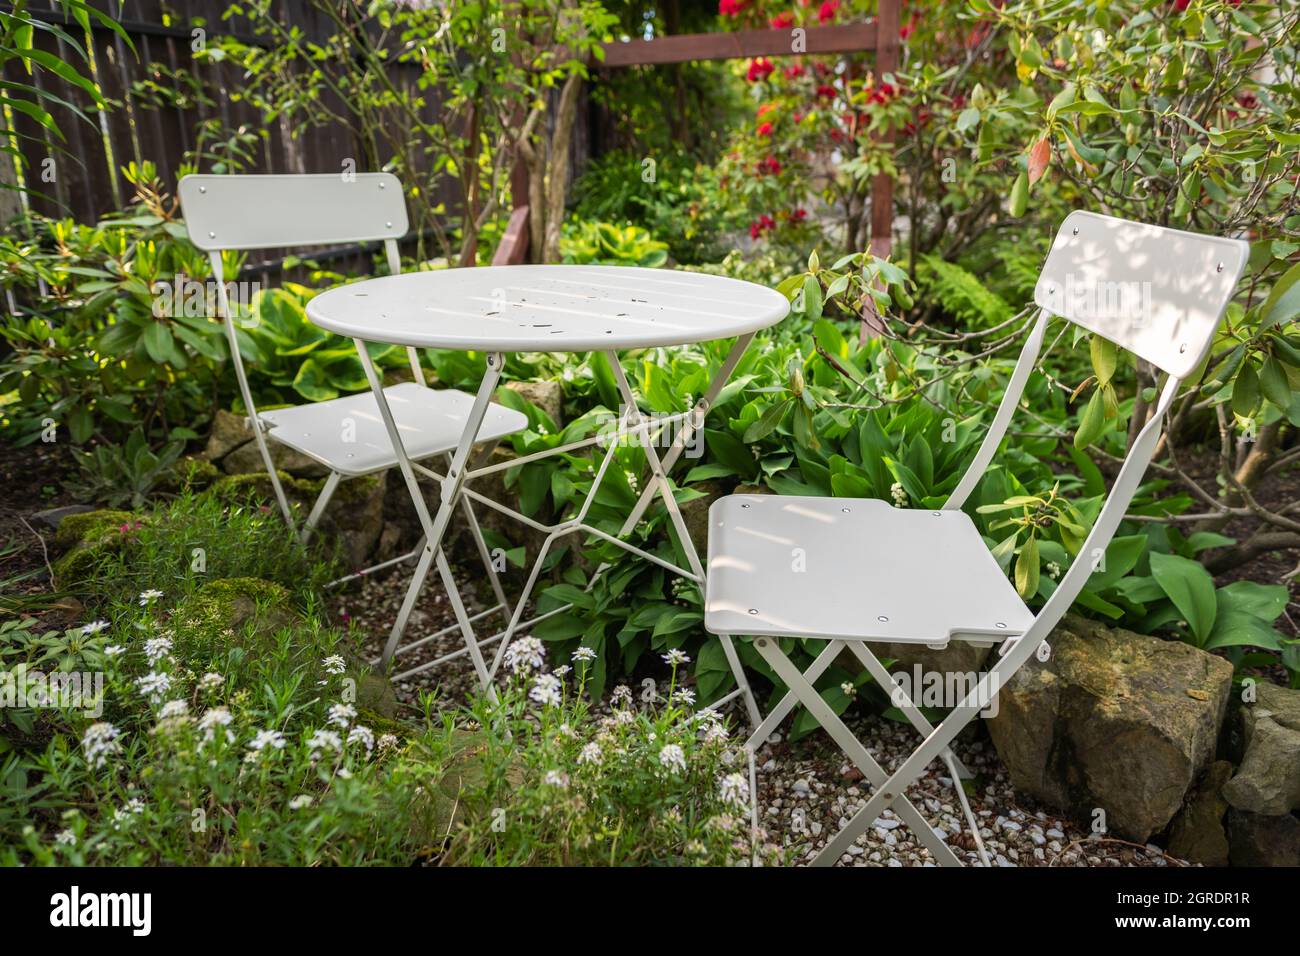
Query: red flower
[[798, 215], [793, 72], [765, 108], [908, 28], [782, 20], [759, 69], [827, 11], [1181, 5], [797, 116], [1248, 100], [764, 129], [730, 8], [765, 224], [768, 166], [825, 92]]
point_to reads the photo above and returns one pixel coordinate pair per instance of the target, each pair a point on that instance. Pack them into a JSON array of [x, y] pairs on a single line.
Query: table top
[[556, 308]]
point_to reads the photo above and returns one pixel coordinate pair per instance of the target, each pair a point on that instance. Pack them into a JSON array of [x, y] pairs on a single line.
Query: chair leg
[[857, 753], [742, 682], [318, 509]]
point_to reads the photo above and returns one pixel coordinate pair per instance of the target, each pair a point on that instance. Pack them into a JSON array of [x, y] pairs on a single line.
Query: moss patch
[[87, 539], [244, 612]]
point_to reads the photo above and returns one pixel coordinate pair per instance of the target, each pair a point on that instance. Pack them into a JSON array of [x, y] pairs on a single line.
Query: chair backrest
[[278, 211], [1160, 293]]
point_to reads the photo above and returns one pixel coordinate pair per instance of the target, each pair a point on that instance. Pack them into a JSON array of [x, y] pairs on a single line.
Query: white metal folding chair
[[869, 572], [348, 434]]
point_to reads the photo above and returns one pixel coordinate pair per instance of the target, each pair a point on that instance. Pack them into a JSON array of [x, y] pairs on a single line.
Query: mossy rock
[[244, 611], [91, 526], [87, 539], [448, 802], [258, 485]]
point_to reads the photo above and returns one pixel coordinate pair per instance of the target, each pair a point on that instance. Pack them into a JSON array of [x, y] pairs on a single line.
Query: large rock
[[230, 443], [229, 431], [1113, 720], [247, 458], [1197, 833], [1268, 780], [356, 515], [548, 396], [1256, 839]]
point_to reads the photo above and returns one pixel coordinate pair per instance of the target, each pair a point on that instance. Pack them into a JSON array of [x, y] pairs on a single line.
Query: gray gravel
[[806, 790]]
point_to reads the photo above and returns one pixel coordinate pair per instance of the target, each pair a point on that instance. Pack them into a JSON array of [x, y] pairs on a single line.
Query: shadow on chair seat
[[854, 569], [348, 435]]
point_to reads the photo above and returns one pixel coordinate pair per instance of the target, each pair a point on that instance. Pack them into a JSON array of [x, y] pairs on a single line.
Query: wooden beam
[[514, 244], [742, 45]]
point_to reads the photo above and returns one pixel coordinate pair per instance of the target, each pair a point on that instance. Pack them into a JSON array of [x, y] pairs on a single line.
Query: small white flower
[[114, 650], [122, 815], [898, 494], [156, 649], [527, 653], [341, 715], [94, 627], [584, 653], [625, 717], [684, 695], [673, 757], [265, 739], [554, 778], [676, 656], [211, 681], [591, 754], [388, 742], [1053, 569], [334, 664], [100, 742], [363, 735], [172, 709], [300, 802], [154, 685], [148, 597], [546, 689], [734, 789], [848, 689], [213, 718], [66, 838], [323, 740], [562, 671], [622, 694]]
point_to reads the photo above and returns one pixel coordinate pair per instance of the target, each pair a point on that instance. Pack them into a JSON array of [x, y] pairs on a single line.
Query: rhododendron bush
[[1171, 112]]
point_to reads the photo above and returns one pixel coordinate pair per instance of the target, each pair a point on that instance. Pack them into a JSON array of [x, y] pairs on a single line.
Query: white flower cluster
[[525, 654], [100, 741]]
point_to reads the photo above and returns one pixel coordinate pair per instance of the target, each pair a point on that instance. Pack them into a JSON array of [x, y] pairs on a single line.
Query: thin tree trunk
[[557, 181]]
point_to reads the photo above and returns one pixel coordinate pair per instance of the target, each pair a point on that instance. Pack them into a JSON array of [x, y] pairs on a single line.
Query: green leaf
[[1020, 195], [1190, 587], [1027, 569], [1092, 423], [812, 298], [1273, 383], [1266, 601], [158, 342], [767, 422], [1245, 391]]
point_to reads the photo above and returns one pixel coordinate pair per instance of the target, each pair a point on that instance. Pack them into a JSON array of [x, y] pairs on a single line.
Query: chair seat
[[854, 569], [347, 434]]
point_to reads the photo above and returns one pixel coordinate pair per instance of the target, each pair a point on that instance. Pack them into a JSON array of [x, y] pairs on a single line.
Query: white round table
[[560, 308], [547, 308]]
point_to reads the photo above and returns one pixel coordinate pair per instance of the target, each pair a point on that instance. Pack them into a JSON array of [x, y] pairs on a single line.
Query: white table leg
[[449, 494]]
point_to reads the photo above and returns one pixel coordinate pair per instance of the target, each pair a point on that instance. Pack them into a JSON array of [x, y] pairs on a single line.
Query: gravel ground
[[806, 790]]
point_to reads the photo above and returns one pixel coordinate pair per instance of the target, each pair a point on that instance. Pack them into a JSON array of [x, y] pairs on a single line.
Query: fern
[[961, 294]]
